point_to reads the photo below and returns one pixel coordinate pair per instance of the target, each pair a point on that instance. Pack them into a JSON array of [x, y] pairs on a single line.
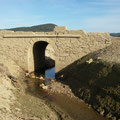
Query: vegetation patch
[[37, 28], [115, 34]]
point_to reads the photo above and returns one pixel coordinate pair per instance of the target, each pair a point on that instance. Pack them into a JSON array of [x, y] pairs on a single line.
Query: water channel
[[75, 108]]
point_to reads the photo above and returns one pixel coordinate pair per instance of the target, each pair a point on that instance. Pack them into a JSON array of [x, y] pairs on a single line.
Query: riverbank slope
[[95, 79]]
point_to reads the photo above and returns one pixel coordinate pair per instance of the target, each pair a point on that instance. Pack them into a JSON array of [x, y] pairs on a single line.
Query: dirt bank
[[97, 83], [15, 103], [95, 78]]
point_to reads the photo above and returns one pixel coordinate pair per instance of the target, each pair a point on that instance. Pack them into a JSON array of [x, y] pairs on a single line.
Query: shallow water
[[50, 73], [76, 109]]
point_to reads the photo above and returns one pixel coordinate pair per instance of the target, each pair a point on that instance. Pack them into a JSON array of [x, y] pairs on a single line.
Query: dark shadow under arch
[[39, 56]]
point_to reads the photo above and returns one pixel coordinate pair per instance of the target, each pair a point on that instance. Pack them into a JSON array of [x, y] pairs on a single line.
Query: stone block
[[60, 28]]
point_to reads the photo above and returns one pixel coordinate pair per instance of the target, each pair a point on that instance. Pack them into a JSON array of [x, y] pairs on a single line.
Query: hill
[[115, 34], [36, 28]]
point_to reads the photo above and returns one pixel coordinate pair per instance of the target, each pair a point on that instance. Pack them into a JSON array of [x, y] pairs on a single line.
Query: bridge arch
[[37, 56]]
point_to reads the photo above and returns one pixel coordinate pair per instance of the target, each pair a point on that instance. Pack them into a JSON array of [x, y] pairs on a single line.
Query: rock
[[102, 112], [27, 74], [98, 58], [37, 77], [41, 78], [43, 86], [62, 76], [33, 75], [52, 80], [90, 61]]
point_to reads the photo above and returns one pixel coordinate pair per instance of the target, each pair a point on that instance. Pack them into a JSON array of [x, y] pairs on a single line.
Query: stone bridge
[[27, 49]]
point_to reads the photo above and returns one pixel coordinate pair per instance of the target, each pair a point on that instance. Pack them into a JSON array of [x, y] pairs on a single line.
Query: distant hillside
[[37, 28], [115, 34]]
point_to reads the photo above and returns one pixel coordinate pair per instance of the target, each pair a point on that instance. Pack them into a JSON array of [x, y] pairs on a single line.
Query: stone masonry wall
[[69, 45]]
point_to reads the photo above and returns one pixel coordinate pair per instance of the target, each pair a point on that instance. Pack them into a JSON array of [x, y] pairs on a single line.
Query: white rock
[[41, 85], [45, 87], [98, 58], [33, 75], [41, 78], [37, 77], [27, 74], [62, 76], [90, 61]]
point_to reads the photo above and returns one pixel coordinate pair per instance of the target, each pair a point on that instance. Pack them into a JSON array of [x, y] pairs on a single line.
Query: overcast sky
[[89, 15]]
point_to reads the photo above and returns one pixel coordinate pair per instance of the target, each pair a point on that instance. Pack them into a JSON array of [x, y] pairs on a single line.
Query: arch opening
[[44, 58]]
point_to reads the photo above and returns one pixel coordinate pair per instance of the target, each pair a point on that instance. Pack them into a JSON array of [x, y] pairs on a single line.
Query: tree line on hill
[[37, 28], [115, 34]]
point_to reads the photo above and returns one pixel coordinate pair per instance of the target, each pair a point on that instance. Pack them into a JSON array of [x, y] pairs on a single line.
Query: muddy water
[[75, 108]]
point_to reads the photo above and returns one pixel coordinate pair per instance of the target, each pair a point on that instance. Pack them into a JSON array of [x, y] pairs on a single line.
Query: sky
[[88, 15]]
